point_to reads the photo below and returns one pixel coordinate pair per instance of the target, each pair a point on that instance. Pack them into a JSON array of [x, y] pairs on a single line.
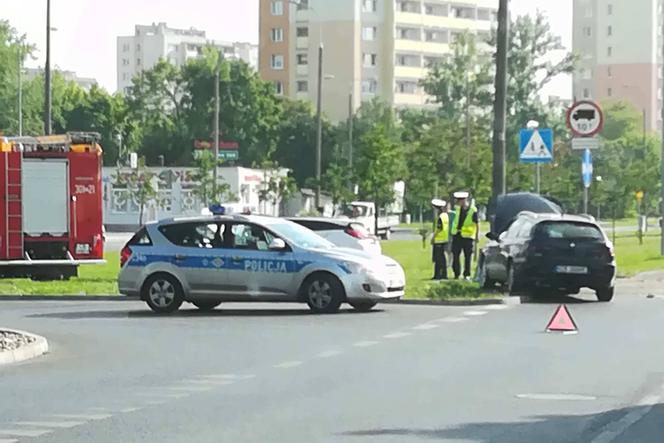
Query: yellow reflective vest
[[442, 234], [469, 228]]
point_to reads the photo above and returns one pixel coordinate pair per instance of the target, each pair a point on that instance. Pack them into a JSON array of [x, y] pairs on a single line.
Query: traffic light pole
[[499, 107]]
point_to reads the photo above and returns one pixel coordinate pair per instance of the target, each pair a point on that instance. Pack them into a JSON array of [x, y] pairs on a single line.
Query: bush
[[451, 289]]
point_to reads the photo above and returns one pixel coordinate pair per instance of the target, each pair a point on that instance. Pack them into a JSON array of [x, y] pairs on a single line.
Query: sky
[[85, 40]]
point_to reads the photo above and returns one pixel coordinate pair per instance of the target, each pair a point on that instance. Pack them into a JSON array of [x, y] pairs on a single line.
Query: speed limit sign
[[585, 118]]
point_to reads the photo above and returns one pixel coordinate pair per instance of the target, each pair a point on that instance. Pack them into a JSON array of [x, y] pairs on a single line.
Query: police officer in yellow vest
[[441, 237], [464, 233]]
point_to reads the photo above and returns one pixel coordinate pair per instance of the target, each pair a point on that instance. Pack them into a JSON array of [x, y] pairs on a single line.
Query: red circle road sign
[[585, 118]]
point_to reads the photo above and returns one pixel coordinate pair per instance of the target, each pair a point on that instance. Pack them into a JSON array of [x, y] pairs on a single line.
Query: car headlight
[[353, 267]]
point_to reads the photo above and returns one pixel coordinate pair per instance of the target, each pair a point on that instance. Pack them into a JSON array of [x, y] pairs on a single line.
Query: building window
[[406, 87], [586, 93], [369, 6], [302, 59], [277, 34], [302, 5], [609, 51], [125, 76], [277, 7], [609, 9], [438, 36], [609, 72], [369, 86], [462, 12], [138, 46], [302, 86], [369, 33], [138, 62], [125, 62], [409, 34], [277, 61], [302, 31], [587, 74], [125, 47], [588, 12], [414, 61], [587, 31], [609, 92], [609, 31], [409, 6], [369, 60], [278, 88]]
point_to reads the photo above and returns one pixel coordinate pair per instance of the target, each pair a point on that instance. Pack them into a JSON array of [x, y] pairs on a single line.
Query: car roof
[[335, 221], [558, 217], [258, 219]]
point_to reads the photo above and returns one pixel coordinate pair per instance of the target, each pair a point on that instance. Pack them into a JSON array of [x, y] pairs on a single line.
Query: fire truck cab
[[50, 205]]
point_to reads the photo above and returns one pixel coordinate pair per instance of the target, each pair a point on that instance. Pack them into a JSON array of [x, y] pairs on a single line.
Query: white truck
[[365, 213]]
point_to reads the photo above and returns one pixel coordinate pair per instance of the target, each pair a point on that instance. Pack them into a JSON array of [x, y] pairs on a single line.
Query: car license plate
[[571, 269], [396, 283], [82, 248]]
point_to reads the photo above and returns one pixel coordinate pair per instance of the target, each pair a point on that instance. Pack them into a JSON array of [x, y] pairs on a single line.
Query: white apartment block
[[620, 47], [70, 76], [372, 48], [151, 43]]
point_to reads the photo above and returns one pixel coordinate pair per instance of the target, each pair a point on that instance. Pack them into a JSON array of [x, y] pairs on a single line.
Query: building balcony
[[302, 42], [436, 21], [302, 70], [409, 72]]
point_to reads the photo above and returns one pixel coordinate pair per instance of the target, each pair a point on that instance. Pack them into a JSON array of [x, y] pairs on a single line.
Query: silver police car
[[207, 260]]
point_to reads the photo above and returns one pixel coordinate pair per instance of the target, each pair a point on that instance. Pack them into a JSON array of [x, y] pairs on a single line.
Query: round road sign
[[585, 118]]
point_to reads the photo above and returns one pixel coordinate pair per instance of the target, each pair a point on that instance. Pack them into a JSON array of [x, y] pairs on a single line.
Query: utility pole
[[47, 73], [468, 148], [661, 207], [319, 124], [215, 173], [499, 107], [20, 90], [350, 131]]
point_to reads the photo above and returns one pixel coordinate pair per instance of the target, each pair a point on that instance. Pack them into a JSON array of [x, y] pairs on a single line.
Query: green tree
[[204, 184]]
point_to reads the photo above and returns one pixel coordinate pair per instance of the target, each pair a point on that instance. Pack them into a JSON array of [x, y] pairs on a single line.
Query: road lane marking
[[454, 319], [496, 307], [288, 364], [328, 354], [25, 432], [364, 344], [162, 395], [397, 335], [557, 397], [475, 313], [85, 417], [188, 388], [51, 424], [230, 376], [128, 410], [209, 382], [6, 440], [425, 327], [154, 402], [615, 429]]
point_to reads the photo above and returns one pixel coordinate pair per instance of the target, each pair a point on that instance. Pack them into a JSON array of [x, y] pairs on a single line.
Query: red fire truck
[[50, 205]]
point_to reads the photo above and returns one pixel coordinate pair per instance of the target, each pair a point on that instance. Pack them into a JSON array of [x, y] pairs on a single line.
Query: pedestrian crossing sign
[[536, 145]]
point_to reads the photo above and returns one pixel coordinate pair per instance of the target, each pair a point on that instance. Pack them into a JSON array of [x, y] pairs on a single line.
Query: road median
[[17, 346]]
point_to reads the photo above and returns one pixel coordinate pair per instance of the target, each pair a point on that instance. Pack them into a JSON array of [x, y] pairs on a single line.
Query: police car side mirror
[[277, 244]]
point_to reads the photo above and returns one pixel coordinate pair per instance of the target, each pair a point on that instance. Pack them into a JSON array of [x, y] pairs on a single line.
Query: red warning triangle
[[561, 321]]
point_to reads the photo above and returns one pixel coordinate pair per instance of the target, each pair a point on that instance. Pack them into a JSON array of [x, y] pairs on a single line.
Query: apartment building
[[372, 48], [84, 82], [151, 43], [620, 46]]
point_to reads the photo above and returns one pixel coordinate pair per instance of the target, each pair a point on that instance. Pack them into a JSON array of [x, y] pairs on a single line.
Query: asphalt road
[[259, 373]]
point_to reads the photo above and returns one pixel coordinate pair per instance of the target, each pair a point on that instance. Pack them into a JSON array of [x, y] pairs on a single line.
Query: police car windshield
[[300, 236]]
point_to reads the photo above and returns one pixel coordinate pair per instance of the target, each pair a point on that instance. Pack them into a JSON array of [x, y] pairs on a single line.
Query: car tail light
[[125, 255], [97, 246], [357, 232]]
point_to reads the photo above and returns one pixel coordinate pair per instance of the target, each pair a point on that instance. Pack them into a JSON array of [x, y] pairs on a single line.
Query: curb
[[56, 298], [35, 349], [481, 302]]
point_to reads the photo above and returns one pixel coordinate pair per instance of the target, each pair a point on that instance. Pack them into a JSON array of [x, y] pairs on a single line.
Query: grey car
[[211, 259]]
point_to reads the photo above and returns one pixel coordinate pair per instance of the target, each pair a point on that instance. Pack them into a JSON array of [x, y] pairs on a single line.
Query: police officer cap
[[461, 195], [438, 203]]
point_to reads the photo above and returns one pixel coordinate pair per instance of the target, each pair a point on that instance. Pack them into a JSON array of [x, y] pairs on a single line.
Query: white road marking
[[6, 440], [154, 402], [425, 327], [162, 395], [230, 376], [397, 335], [615, 429], [85, 417], [25, 433], [557, 397], [496, 307], [209, 382], [288, 364], [188, 388], [328, 354], [128, 410], [51, 424], [454, 319], [475, 313], [364, 344]]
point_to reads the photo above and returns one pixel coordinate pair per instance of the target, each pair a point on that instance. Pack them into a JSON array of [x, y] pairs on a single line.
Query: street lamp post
[[534, 124], [20, 90], [215, 172], [319, 125], [500, 102], [47, 73]]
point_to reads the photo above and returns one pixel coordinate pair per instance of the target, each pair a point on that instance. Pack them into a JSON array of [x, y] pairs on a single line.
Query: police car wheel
[[362, 306], [324, 293], [206, 305], [163, 293]]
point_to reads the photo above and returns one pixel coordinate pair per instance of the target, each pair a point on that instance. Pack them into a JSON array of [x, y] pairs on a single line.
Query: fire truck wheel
[[163, 293]]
